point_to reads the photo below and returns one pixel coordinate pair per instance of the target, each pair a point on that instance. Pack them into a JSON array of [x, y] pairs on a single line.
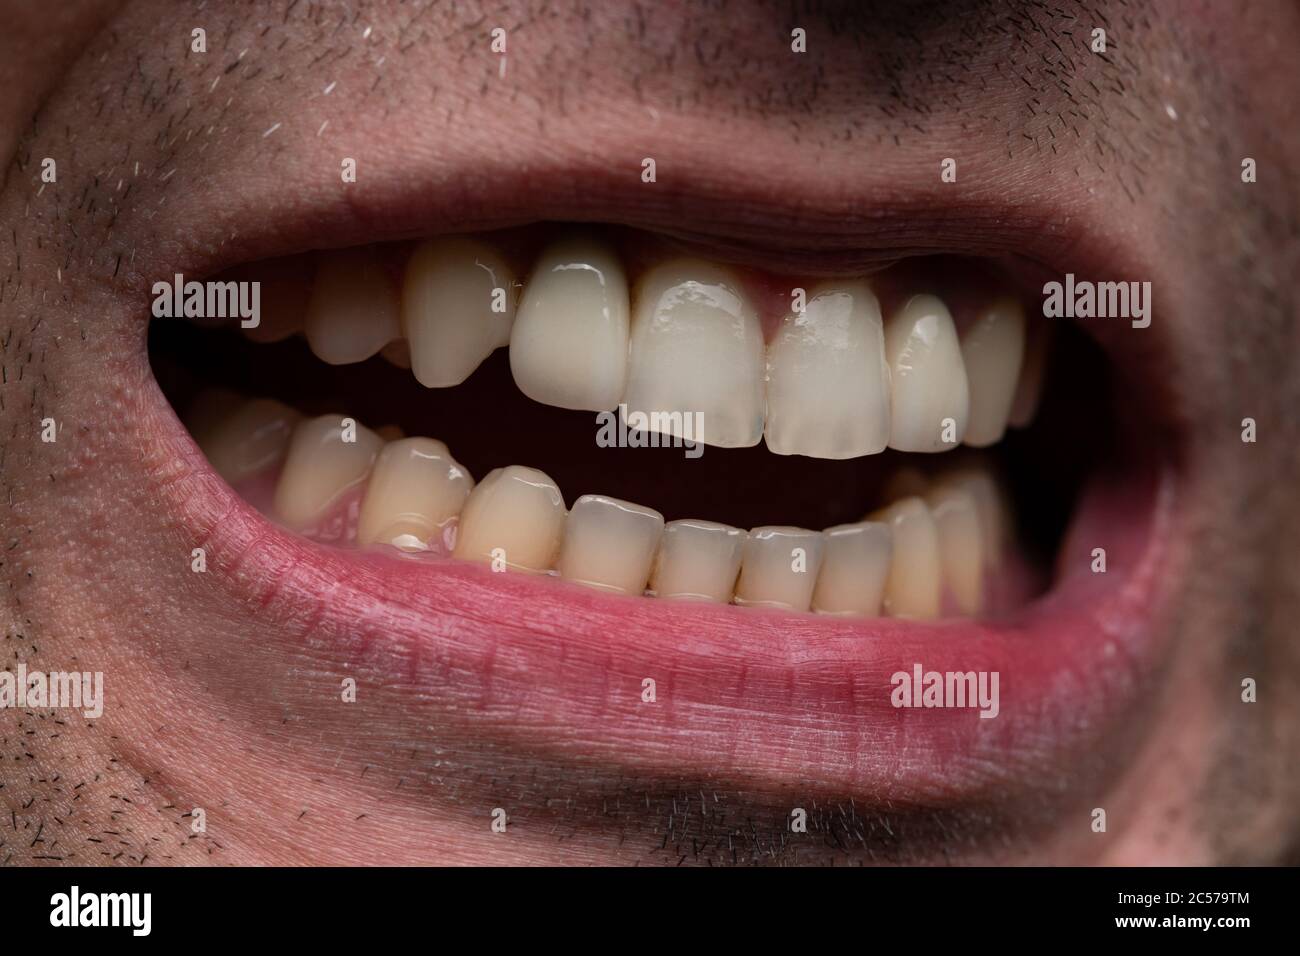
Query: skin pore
[[166, 156]]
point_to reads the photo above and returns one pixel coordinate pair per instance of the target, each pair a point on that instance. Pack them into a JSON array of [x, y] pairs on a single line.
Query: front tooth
[[927, 377], [416, 488], [353, 311], [610, 544], [457, 307], [250, 441], [992, 350], [913, 586], [322, 466], [697, 348], [1030, 387], [780, 568], [568, 347], [515, 516], [698, 561], [827, 381], [854, 571], [961, 548]]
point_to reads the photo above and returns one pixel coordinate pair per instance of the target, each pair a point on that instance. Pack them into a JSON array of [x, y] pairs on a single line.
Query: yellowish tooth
[[854, 570], [992, 350], [328, 456], [698, 561], [390, 432], [610, 544], [252, 440], [780, 568], [913, 588], [1032, 373], [568, 347], [990, 506], [961, 548], [415, 490], [458, 304], [353, 311], [930, 399], [827, 380], [697, 349], [514, 519], [905, 482]]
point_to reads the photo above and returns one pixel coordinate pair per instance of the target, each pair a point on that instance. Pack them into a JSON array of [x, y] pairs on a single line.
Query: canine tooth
[[448, 315], [415, 489], [697, 347], [855, 568], [912, 588], [961, 548], [568, 347], [353, 309], [827, 381], [992, 350], [284, 293], [321, 467], [698, 561], [252, 440], [779, 568], [990, 506], [1030, 387], [514, 516], [927, 377], [609, 544]]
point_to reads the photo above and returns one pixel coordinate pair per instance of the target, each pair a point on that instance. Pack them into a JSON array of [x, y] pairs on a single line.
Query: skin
[[205, 713]]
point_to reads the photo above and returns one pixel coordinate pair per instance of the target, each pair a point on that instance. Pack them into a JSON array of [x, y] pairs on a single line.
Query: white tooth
[[569, 343], [515, 516], [415, 489], [450, 298], [251, 440], [1030, 387], [353, 309], [780, 568], [322, 467], [610, 544], [827, 380], [698, 561], [697, 347], [927, 377], [854, 571], [961, 548], [992, 350], [913, 586]]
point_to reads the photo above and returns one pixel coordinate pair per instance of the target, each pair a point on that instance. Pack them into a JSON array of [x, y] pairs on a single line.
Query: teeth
[[698, 561], [780, 568], [992, 350], [321, 467], [569, 343], [514, 516], [994, 516], [927, 375], [1030, 388], [398, 352], [827, 380], [447, 308], [250, 441], [416, 488], [353, 309], [961, 549], [854, 571], [610, 544], [697, 347], [285, 288], [913, 586]]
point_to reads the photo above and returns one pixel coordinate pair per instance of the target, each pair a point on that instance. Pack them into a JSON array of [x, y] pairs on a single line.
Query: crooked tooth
[[927, 377], [450, 298], [698, 561], [514, 516], [855, 568], [415, 490], [697, 347], [610, 544], [827, 380], [322, 466], [961, 545], [353, 310], [779, 568], [1030, 387], [251, 440], [913, 587], [568, 347], [992, 350]]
